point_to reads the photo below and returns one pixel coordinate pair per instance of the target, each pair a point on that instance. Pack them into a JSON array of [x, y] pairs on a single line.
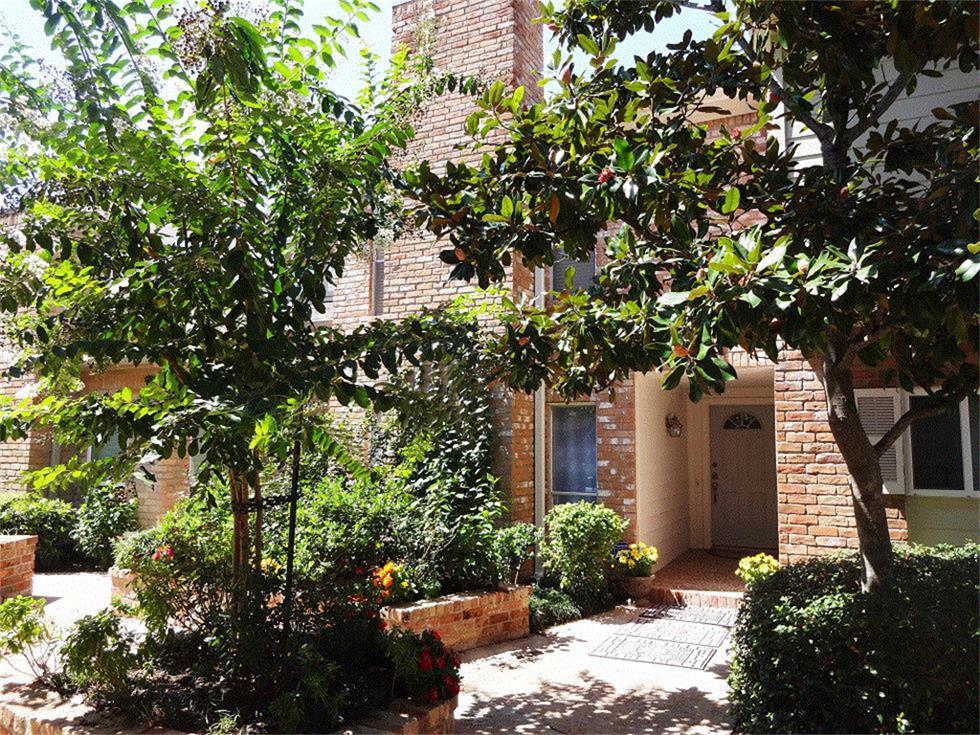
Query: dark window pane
[[584, 272], [573, 454], [937, 449]]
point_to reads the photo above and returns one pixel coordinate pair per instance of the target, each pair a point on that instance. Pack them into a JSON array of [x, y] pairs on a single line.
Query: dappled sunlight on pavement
[[551, 683]]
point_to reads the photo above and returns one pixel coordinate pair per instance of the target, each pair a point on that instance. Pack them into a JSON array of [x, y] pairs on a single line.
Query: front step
[[694, 598]]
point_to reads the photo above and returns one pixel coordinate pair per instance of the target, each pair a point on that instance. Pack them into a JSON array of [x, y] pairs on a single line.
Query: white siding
[[954, 86]]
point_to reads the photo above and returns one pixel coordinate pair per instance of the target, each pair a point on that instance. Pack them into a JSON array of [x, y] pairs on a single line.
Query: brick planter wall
[[469, 619], [402, 717], [16, 565], [121, 584]]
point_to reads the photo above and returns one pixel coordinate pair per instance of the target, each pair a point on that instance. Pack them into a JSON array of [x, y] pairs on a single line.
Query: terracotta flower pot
[[638, 589]]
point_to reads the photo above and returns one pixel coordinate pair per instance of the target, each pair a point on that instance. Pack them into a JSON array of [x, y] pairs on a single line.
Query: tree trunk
[[259, 520], [867, 488], [239, 543]]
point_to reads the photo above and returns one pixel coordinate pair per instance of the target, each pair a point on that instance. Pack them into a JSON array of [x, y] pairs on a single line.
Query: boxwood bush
[[812, 653]]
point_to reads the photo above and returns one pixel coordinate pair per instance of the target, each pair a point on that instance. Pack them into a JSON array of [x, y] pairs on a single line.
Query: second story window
[[377, 306], [584, 272]]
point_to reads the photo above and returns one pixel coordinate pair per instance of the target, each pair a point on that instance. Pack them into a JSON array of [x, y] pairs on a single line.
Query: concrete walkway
[[551, 684], [548, 683]]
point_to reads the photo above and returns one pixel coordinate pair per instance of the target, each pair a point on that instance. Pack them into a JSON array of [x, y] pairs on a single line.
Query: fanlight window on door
[[742, 420]]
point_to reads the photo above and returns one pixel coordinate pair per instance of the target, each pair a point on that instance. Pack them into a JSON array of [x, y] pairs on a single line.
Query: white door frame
[[700, 438]]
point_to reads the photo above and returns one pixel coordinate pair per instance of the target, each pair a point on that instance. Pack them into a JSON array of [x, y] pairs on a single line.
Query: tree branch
[[938, 406], [822, 131], [887, 100]]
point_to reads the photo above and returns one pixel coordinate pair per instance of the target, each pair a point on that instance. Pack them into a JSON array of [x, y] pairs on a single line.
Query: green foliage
[[52, 521], [864, 258], [345, 526], [182, 566], [25, 631], [188, 189], [752, 568], [813, 654], [425, 668], [515, 544], [98, 655], [106, 514], [577, 548], [548, 607]]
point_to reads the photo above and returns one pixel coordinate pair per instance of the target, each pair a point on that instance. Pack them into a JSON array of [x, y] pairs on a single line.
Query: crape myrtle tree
[[864, 259], [188, 185]]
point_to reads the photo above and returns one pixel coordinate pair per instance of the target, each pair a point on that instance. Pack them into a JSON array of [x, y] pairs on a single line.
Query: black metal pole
[[291, 540]]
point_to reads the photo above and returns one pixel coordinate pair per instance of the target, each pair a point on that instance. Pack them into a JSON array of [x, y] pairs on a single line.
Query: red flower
[[606, 175], [736, 133], [774, 98], [451, 684], [358, 570], [425, 660], [441, 662], [435, 634], [155, 556], [455, 660], [432, 696]]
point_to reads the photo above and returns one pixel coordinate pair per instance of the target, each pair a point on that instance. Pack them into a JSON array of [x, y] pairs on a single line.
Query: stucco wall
[[661, 468]]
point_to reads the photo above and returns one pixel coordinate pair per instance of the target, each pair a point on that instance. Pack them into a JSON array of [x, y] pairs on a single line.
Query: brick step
[[694, 598]]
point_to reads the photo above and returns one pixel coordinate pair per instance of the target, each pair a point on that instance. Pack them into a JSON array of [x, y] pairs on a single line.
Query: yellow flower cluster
[[390, 576], [752, 568], [637, 559]]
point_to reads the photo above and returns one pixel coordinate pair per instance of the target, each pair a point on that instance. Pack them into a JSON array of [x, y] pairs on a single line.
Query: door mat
[[709, 615], [652, 651], [672, 636]]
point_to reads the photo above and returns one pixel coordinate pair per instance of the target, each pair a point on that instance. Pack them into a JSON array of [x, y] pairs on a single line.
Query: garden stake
[[291, 540]]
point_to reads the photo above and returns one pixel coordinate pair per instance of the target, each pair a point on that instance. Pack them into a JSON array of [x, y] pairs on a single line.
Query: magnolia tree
[[863, 259], [188, 185]]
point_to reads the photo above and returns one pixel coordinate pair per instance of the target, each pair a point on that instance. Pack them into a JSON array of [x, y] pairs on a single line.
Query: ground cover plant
[[811, 653]]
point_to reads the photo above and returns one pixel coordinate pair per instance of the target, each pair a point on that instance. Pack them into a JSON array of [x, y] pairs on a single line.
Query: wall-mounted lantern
[[674, 426]]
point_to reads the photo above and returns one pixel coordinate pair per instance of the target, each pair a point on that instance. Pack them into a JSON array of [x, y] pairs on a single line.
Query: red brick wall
[[16, 565], [814, 497], [492, 39]]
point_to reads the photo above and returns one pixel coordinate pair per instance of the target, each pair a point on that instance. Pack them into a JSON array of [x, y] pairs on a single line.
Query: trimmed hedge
[[811, 653], [52, 521]]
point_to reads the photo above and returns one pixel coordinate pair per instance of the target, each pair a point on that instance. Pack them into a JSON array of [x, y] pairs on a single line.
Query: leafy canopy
[[188, 185], [869, 254]]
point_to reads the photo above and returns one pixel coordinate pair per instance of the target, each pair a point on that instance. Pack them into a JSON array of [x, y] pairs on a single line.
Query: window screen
[[584, 272], [573, 454], [937, 449]]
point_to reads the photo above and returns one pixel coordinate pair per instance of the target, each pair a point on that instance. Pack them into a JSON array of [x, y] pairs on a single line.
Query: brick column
[[815, 511]]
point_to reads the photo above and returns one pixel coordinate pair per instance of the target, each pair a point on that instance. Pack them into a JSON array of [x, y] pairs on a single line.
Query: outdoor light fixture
[[674, 426]]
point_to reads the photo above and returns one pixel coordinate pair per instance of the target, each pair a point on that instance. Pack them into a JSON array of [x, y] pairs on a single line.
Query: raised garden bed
[[16, 565], [468, 619], [28, 710]]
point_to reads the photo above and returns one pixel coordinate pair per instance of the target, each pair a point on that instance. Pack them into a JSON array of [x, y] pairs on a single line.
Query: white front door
[[743, 476]]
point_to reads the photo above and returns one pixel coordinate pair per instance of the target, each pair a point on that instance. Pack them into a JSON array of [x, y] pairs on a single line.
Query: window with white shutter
[[879, 409]]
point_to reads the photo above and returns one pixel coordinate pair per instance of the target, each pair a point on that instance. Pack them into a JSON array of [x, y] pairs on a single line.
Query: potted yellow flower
[[635, 566]]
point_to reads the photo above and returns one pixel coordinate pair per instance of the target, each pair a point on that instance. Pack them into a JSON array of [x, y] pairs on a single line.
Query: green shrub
[[52, 521], [347, 526], [106, 514], [515, 544], [25, 631], [579, 539], [812, 653], [98, 655], [549, 607]]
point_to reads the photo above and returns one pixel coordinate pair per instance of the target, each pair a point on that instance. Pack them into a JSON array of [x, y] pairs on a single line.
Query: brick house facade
[[665, 464]]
